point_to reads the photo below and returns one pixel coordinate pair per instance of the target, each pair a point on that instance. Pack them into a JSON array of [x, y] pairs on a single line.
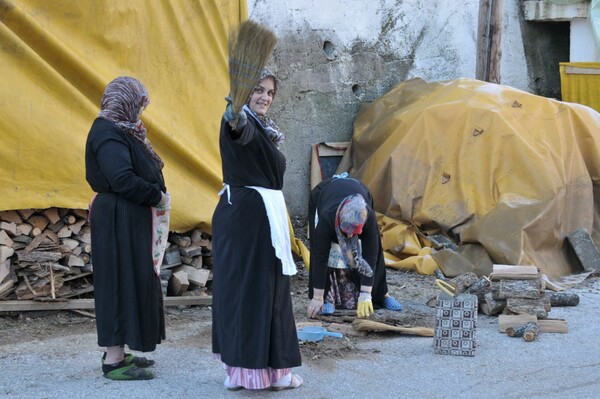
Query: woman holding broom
[[254, 332]]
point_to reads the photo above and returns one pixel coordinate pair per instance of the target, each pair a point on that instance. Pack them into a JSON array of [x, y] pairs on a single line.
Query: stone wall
[[333, 55]]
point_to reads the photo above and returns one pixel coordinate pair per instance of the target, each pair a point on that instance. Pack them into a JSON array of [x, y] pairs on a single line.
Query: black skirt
[[127, 291], [253, 320]]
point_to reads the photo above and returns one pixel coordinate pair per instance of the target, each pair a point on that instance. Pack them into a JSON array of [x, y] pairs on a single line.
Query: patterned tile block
[[455, 325]]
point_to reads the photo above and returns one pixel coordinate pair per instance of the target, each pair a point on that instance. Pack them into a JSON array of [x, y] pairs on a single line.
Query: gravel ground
[[55, 356]]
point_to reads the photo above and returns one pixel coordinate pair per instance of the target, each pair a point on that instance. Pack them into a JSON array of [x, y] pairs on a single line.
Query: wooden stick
[[52, 283], [370, 325], [31, 305], [545, 325]]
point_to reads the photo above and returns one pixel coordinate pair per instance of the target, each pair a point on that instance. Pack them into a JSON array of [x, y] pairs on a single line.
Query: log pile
[[519, 293], [187, 265], [46, 254]]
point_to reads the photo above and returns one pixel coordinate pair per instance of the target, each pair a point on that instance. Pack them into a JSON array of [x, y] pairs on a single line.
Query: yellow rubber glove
[[365, 305]]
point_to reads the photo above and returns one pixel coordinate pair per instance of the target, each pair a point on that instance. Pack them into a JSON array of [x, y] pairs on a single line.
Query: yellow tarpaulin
[[494, 166], [56, 58]]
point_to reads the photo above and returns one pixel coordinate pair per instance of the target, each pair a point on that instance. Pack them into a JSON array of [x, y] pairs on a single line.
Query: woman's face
[[262, 97]]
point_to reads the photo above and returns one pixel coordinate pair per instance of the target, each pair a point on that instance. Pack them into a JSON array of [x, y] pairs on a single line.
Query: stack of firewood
[[187, 264], [46, 254], [519, 293]]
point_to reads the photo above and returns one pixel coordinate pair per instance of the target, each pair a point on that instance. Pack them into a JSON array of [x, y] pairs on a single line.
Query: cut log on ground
[[562, 298], [528, 331]]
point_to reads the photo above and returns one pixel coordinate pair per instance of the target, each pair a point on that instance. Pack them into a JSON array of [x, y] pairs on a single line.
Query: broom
[[250, 47]]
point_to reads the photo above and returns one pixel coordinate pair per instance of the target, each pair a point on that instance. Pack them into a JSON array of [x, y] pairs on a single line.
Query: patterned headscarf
[[267, 123], [123, 102], [350, 218]]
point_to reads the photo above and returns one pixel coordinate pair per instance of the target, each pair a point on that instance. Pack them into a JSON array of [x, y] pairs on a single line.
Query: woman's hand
[[314, 307], [164, 200]]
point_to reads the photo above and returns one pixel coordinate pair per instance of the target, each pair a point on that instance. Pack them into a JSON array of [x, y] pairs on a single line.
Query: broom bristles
[[250, 47]]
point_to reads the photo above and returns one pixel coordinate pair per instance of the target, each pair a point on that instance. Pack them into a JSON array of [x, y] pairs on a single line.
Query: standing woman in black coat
[[253, 330], [125, 172]]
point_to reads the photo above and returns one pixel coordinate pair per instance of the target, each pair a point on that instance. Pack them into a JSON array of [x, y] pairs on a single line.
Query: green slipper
[[122, 372], [136, 360]]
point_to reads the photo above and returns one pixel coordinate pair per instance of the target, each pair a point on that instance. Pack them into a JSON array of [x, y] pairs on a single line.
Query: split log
[[196, 262], [64, 232], [38, 221], [562, 298], [530, 289], [9, 228], [5, 239], [77, 226], [24, 228], [510, 272], [11, 217], [179, 240], [6, 288], [190, 251], [5, 269], [172, 257], [52, 215], [492, 306], [75, 261], [82, 213], [178, 283], [480, 288], [464, 281], [5, 253], [538, 307], [70, 243], [25, 213], [197, 277], [85, 235]]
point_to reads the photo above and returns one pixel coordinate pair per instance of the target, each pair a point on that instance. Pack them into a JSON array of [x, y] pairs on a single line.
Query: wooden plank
[[545, 325], [581, 71], [30, 305], [512, 272]]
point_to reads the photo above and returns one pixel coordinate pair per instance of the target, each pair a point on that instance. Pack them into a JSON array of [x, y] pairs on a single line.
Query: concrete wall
[[333, 55]]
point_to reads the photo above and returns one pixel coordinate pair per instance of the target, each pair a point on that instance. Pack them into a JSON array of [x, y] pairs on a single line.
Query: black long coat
[[325, 198], [253, 321], [127, 291]]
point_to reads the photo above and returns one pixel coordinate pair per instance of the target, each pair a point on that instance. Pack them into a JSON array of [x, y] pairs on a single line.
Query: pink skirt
[[252, 378]]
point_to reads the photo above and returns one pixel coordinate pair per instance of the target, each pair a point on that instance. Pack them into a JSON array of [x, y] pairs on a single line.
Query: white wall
[[583, 45], [447, 47], [376, 45]]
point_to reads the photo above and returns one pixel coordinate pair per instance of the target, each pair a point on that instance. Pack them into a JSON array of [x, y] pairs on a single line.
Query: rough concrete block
[[585, 249]]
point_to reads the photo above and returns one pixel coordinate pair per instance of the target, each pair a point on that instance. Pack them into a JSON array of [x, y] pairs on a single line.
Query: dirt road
[[55, 356]]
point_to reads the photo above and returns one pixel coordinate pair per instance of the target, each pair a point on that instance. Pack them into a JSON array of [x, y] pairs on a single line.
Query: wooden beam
[[28, 305]]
